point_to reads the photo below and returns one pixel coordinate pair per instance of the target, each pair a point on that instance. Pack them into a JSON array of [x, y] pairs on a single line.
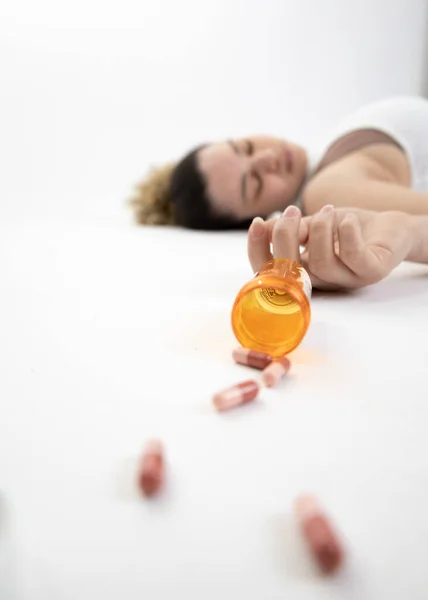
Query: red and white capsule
[[251, 358], [151, 473], [275, 371], [319, 534], [238, 394]]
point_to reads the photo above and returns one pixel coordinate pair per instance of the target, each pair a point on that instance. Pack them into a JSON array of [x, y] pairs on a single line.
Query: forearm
[[368, 194], [419, 233]]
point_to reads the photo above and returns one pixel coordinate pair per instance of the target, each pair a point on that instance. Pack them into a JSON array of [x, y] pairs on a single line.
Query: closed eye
[[259, 188], [249, 149]]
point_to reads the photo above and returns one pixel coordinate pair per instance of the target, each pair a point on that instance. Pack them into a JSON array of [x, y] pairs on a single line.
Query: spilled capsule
[[251, 358], [238, 394], [319, 534], [151, 473], [275, 371]]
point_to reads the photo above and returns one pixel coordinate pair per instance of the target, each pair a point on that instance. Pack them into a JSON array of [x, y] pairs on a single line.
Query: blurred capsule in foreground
[[151, 473], [319, 534], [238, 394], [251, 358]]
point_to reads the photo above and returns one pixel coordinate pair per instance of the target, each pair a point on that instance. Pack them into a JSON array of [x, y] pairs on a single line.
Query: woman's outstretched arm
[[360, 192], [363, 193]]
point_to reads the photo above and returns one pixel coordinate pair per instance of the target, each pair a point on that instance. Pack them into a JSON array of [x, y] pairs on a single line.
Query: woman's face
[[253, 176]]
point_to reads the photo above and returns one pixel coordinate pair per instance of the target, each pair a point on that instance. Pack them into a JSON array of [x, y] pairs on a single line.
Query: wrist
[[418, 231]]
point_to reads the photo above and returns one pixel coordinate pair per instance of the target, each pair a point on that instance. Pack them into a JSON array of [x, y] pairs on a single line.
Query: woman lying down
[[359, 205]]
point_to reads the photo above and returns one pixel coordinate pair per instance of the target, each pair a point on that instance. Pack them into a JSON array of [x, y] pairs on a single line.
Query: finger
[[354, 253], [304, 230], [322, 259], [270, 223], [285, 234], [258, 244], [317, 284]]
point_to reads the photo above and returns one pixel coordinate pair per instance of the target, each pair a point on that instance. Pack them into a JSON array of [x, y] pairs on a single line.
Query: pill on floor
[[151, 473], [319, 534], [274, 372], [238, 394], [251, 358]]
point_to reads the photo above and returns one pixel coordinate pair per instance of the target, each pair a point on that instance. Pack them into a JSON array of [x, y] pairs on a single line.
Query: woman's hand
[[343, 248]]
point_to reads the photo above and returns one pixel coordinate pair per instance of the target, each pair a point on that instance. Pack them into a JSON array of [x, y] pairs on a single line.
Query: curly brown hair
[[152, 202], [177, 195]]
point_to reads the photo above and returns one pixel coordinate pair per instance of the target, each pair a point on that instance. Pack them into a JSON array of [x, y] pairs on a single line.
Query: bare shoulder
[[378, 162]]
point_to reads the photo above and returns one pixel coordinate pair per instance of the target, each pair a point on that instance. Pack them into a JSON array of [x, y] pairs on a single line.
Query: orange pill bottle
[[272, 312]]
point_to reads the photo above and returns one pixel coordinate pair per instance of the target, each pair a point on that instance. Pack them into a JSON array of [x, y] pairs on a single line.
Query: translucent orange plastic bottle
[[272, 312]]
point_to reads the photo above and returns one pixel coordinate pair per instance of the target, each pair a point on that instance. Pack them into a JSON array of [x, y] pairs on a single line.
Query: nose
[[265, 161]]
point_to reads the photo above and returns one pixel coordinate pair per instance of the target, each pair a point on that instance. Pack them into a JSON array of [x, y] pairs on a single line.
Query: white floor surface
[[111, 334]]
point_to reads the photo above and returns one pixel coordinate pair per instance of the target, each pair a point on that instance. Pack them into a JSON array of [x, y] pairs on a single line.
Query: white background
[[110, 334], [94, 92]]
